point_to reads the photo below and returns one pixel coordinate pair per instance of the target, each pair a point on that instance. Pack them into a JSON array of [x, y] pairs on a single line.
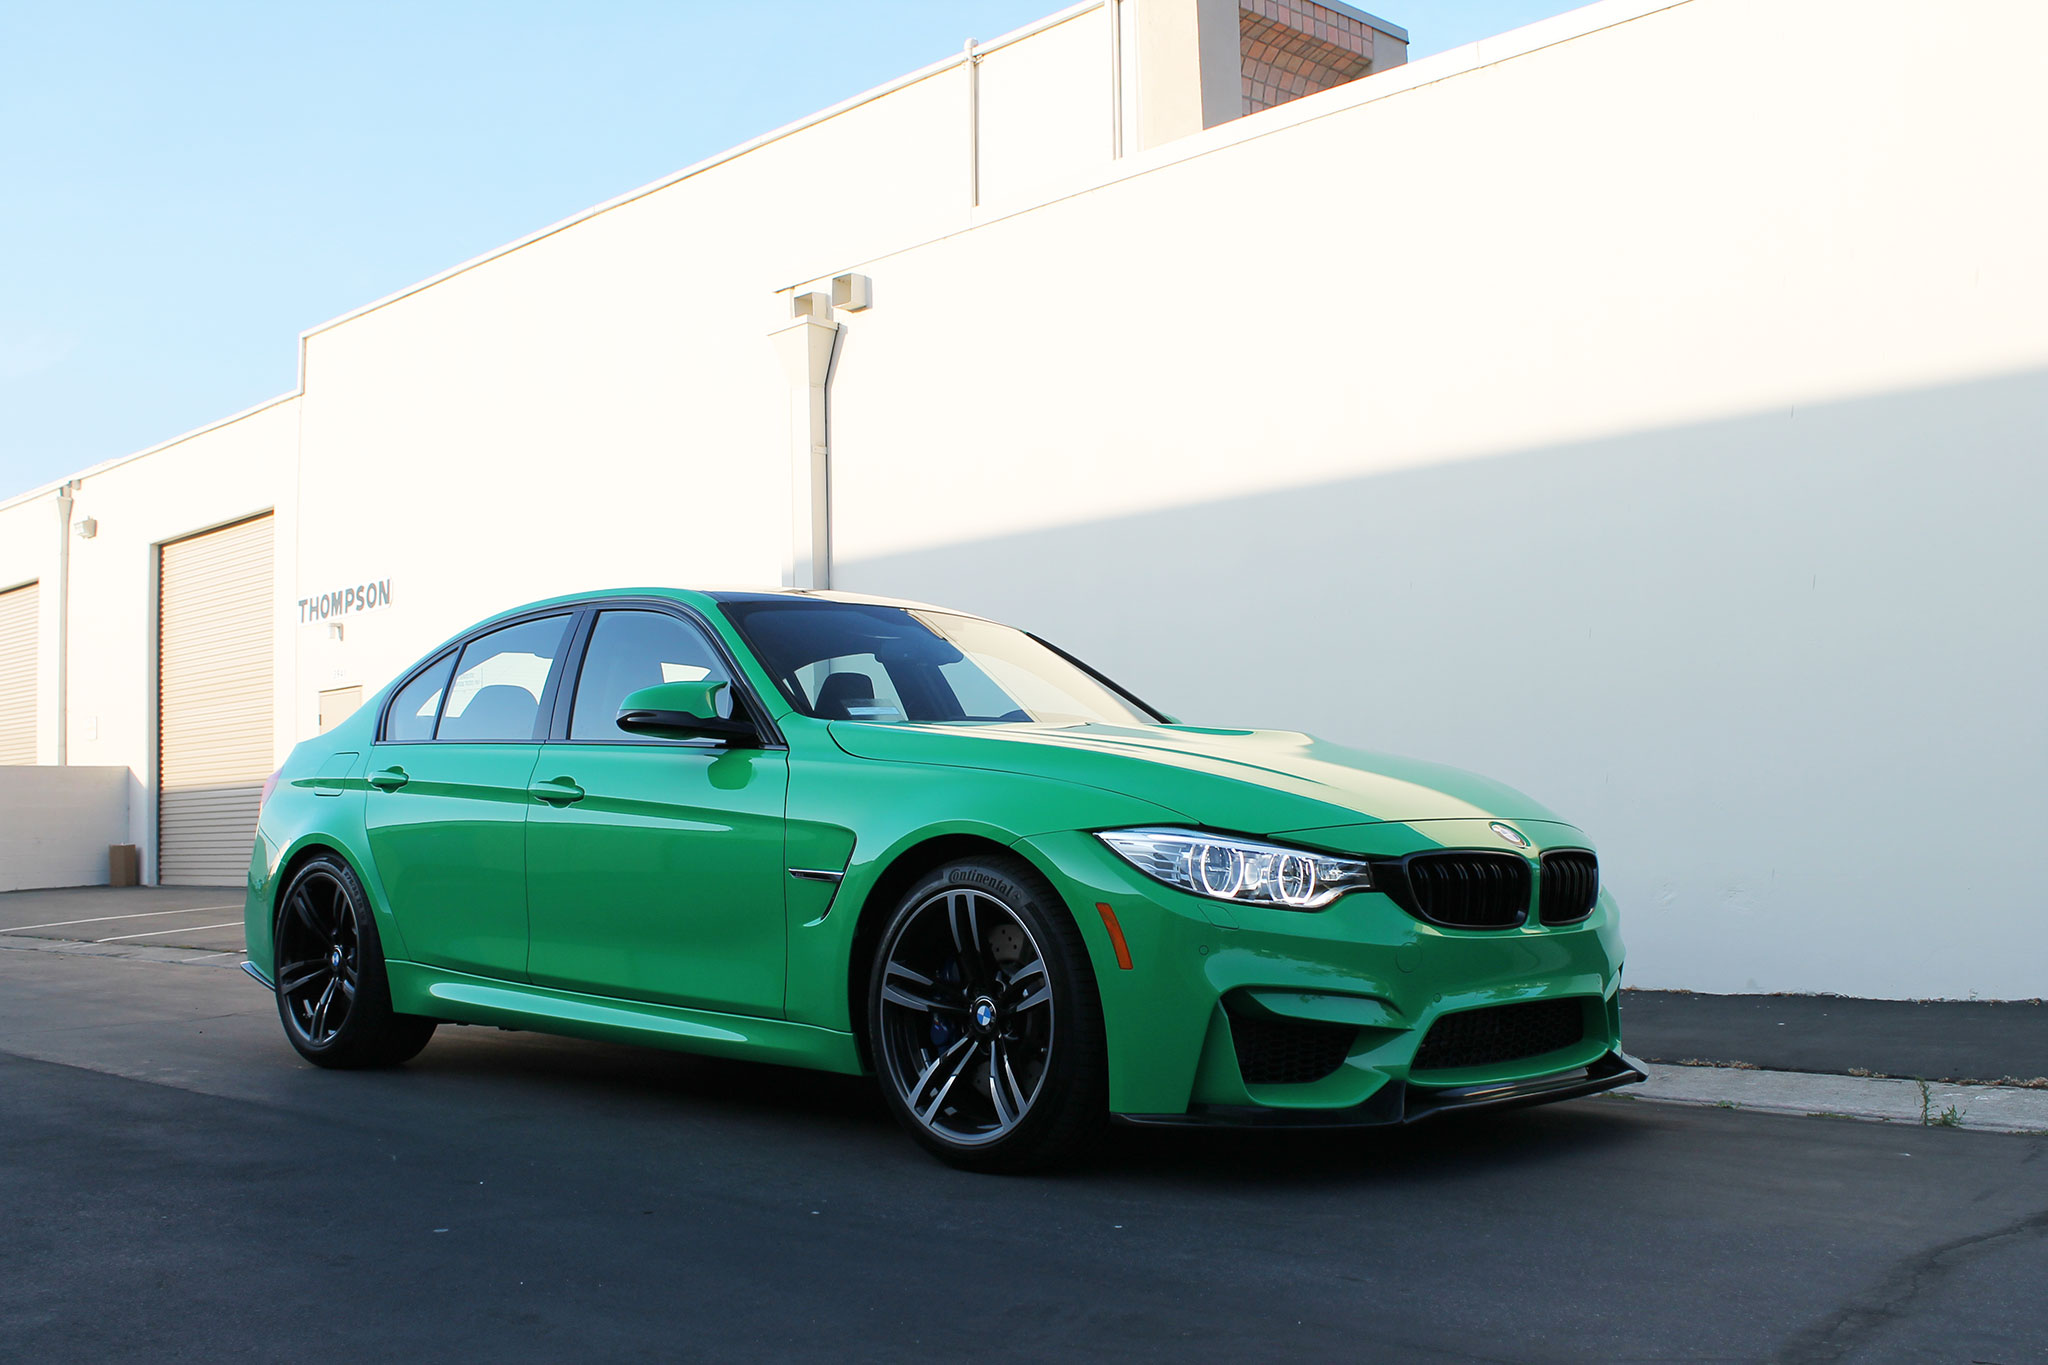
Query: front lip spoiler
[[1398, 1102], [257, 972]]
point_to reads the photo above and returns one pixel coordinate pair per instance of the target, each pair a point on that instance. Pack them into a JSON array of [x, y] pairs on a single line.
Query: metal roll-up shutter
[[18, 626], [213, 702]]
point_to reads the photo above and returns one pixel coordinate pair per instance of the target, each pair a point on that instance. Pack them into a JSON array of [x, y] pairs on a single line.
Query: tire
[[984, 1022], [327, 957]]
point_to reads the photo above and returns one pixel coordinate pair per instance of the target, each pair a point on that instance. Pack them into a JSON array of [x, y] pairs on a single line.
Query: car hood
[[1251, 781]]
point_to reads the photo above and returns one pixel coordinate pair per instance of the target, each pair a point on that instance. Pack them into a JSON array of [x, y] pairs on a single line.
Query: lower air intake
[[1288, 1051], [1501, 1033]]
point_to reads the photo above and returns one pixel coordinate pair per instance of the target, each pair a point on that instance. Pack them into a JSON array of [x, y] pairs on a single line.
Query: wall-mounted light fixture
[[854, 293], [88, 528]]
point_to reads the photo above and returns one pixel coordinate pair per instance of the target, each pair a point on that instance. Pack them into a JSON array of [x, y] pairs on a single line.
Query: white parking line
[[99, 919], [160, 933]]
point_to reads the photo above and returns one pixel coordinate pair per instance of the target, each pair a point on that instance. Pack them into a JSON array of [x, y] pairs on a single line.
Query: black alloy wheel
[[332, 993], [984, 1021]]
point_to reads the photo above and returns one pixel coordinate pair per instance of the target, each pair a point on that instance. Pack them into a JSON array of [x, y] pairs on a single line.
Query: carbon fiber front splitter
[[1400, 1102]]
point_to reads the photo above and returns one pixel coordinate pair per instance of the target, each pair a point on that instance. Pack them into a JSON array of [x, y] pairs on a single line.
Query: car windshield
[[896, 665]]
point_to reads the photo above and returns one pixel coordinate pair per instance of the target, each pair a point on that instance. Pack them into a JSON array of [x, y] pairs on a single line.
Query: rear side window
[[500, 680], [418, 704], [630, 650]]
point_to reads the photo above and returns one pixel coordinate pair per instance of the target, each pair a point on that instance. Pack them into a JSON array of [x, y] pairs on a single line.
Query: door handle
[[390, 779], [556, 791]]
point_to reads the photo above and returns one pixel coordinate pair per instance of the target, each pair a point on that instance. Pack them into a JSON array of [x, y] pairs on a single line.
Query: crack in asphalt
[[146, 1023], [1887, 1302]]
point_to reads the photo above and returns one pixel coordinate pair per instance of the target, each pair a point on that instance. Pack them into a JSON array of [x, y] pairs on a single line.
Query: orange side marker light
[[1116, 935]]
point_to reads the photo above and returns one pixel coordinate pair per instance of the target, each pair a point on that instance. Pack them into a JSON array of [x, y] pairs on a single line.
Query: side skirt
[[460, 998]]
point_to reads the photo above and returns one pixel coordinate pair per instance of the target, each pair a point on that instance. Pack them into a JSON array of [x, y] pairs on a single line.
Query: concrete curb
[[1987, 1108], [131, 953]]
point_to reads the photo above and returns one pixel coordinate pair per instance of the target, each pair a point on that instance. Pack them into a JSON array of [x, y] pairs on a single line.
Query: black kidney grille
[[1287, 1051], [1473, 890], [1569, 884], [1501, 1033]]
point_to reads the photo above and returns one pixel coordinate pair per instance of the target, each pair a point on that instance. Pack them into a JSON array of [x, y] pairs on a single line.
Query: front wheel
[[332, 993], [984, 1019]]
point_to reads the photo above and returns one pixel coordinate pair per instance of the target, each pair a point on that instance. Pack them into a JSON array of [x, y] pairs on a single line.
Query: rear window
[[499, 682], [418, 704]]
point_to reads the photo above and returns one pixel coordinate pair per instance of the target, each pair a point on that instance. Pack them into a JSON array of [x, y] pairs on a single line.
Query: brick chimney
[[1291, 48], [1205, 62]]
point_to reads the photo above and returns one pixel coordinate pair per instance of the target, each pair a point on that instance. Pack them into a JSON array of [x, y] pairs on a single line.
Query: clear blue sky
[[184, 188]]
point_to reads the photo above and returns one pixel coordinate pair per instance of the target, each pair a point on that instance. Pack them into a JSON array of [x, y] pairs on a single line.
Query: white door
[[214, 673], [18, 625]]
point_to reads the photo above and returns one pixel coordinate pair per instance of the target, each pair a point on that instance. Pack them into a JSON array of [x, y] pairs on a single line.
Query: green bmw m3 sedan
[[868, 836]]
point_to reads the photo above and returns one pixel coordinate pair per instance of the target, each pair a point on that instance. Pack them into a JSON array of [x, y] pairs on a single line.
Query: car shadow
[[1440, 1147], [598, 1077]]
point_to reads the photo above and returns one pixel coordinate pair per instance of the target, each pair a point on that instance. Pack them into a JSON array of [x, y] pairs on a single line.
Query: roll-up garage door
[[213, 702], [18, 626]]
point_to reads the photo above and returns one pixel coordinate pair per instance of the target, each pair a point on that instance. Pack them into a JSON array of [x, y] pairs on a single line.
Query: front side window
[[851, 661], [851, 687], [500, 680], [418, 704], [630, 650]]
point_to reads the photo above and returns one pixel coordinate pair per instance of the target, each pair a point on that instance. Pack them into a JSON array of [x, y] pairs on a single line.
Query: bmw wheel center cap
[[984, 1013]]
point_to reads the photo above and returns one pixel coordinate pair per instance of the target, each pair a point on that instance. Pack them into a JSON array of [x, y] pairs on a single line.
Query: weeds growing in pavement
[[1950, 1117]]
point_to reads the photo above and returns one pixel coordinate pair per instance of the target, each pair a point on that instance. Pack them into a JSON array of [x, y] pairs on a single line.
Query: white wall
[[1643, 408], [1657, 428], [219, 474], [28, 554], [1045, 118], [602, 406], [596, 405], [56, 824]]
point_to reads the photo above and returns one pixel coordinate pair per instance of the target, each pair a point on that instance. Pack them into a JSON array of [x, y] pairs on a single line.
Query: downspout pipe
[[64, 504], [809, 348]]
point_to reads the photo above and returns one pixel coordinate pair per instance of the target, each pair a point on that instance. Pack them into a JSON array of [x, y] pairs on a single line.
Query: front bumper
[[1199, 968]]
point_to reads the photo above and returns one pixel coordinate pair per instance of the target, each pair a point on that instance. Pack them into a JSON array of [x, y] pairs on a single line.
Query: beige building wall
[[56, 824]]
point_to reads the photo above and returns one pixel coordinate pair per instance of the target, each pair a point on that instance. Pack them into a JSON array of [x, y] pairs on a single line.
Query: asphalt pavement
[[201, 923], [178, 1185], [1983, 1041]]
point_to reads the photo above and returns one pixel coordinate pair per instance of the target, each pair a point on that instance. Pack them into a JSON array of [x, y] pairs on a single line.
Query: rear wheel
[[986, 1028], [332, 993]]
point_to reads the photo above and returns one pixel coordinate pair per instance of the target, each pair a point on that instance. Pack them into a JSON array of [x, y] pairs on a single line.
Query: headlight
[[1239, 870]]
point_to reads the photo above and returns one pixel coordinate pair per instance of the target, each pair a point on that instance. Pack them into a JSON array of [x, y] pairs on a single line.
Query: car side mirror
[[681, 710]]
